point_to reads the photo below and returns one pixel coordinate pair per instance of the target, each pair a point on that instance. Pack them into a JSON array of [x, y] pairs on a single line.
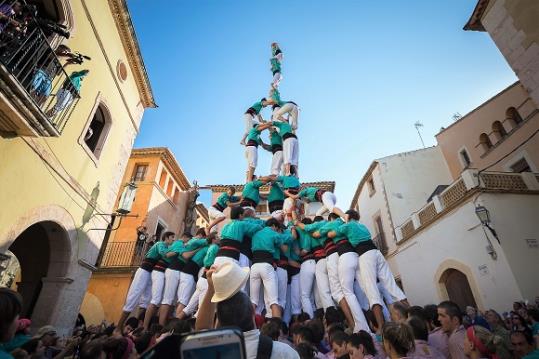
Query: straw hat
[[228, 280]]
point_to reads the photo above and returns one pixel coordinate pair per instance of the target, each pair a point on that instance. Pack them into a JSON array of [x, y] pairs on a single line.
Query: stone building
[[161, 204], [64, 147]]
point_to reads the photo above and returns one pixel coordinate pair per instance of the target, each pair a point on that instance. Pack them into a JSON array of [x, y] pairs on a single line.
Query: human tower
[[297, 264]]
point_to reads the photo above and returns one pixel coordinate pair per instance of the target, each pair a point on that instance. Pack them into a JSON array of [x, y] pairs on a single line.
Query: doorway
[[458, 288], [42, 250]]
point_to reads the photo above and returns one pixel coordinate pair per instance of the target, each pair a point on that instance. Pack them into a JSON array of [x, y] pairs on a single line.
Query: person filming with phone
[[234, 309]]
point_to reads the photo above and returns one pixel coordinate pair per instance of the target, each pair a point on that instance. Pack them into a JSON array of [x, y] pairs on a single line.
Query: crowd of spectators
[[440, 331]]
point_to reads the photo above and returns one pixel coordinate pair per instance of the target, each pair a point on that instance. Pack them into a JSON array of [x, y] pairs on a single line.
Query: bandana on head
[[470, 333]]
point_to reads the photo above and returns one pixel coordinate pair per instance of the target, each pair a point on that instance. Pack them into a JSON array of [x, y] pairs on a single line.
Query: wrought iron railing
[[123, 254], [34, 70]]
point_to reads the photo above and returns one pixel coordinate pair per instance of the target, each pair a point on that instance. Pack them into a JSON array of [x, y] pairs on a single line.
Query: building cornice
[[170, 161], [479, 107], [324, 185], [121, 16], [362, 183], [474, 23]]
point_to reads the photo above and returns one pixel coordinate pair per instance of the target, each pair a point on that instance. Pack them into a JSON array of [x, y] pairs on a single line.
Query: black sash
[[262, 257], [364, 247]]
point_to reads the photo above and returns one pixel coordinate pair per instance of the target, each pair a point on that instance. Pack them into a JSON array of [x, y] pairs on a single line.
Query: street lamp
[[483, 215], [127, 198]]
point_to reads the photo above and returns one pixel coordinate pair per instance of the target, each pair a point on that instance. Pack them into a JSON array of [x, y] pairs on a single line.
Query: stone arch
[[441, 275], [44, 241]]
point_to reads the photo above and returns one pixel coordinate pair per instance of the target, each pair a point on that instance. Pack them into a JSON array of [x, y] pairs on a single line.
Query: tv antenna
[[418, 125]]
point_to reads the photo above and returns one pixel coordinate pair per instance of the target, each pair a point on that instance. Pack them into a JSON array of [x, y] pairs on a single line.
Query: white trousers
[[194, 303], [249, 121], [263, 274], [146, 297], [282, 284], [307, 275], [139, 286], [322, 284], [251, 154], [332, 262], [172, 278], [293, 300], [186, 288], [291, 110], [348, 273], [277, 163], [277, 78], [291, 151], [214, 213], [220, 260], [387, 299], [158, 284], [328, 203], [373, 266]]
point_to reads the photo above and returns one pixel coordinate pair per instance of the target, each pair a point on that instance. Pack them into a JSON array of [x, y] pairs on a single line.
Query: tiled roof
[[168, 158], [325, 185]]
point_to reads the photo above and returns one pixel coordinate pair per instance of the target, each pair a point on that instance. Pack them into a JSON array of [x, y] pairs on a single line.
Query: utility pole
[[417, 125]]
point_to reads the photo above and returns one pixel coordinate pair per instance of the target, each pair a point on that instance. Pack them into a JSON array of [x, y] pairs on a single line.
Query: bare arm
[[316, 234], [206, 310], [188, 255], [171, 254], [332, 234], [291, 195]]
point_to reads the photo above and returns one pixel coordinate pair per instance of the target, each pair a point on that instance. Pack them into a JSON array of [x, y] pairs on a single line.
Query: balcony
[[122, 255], [471, 181], [37, 95]]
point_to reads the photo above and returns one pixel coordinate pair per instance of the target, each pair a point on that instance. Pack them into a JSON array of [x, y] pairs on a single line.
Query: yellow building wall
[[41, 174]]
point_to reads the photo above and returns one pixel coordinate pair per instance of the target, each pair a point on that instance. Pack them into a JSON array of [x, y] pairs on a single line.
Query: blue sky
[[363, 72]]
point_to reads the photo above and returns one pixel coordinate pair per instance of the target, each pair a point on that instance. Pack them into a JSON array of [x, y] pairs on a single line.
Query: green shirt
[[293, 250], [332, 226], [311, 228], [287, 240], [305, 239], [254, 135], [284, 127], [275, 139], [276, 193], [199, 256], [266, 240], [275, 65], [157, 251], [211, 253], [251, 190], [289, 181], [257, 106], [309, 193], [237, 229], [225, 199], [276, 96], [177, 247], [194, 243], [532, 355], [355, 232]]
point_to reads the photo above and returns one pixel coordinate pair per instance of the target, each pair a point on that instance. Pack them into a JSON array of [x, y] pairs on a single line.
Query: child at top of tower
[[275, 61]]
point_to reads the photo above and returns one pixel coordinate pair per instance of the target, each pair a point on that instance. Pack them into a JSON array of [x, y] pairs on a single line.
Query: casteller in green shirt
[[332, 226], [251, 190], [355, 232], [289, 181], [283, 127], [309, 193], [276, 193], [237, 229]]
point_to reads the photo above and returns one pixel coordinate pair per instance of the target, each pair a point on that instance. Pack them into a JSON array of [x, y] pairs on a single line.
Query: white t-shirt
[[280, 350]]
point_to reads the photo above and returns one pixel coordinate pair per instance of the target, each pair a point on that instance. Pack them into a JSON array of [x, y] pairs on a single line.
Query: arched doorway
[[458, 288], [42, 250]]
